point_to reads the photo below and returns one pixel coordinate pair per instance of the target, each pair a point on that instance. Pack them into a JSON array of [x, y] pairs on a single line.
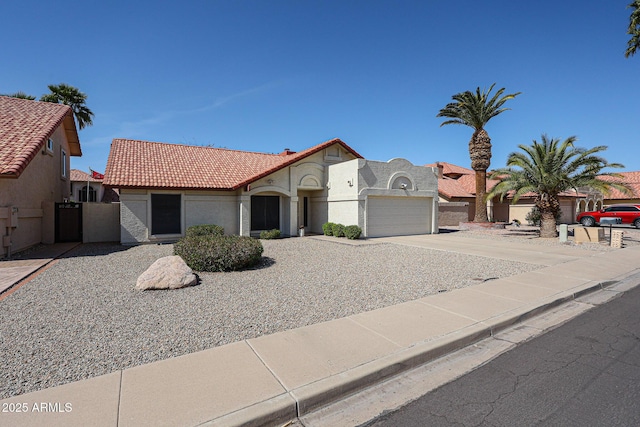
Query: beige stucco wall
[[100, 222], [41, 181], [212, 208], [452, 213], [520, 210]]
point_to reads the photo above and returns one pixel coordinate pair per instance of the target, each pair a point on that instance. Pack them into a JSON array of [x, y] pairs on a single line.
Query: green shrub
[[534, 216], [327, 228], [219, 253], [270, 234], [337, 230], [352, 232], [205, 230]]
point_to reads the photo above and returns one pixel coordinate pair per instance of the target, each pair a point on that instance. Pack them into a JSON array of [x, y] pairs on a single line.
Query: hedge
[[219, 253]]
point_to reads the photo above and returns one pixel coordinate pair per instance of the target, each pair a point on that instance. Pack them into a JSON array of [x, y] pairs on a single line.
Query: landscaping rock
[[170, 272]]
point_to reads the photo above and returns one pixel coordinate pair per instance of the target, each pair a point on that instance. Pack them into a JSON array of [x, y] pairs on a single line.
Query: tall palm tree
[[71, 96], [634, 29], [548, 168], [475, 110]]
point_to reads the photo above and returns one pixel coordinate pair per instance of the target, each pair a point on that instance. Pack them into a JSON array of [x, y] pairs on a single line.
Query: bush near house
[[327, 228], [219, 253], [270, 234], [352, 232], [534, 217], [337, 230], [205, 230]]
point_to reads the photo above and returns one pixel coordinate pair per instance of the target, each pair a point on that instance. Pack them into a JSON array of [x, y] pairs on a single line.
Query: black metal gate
[[68, 222]]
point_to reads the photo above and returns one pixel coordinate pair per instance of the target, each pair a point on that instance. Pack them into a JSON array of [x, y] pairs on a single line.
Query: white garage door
[[397, 216]]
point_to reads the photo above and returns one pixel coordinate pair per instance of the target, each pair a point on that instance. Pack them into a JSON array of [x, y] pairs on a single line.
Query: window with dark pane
[[165, 214]]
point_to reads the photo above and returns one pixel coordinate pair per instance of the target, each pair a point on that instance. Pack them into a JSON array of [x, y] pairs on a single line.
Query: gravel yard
[[82, 317]]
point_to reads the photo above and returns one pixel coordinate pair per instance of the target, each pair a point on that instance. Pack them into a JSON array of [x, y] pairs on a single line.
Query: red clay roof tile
[[144, 164], [25, 126]]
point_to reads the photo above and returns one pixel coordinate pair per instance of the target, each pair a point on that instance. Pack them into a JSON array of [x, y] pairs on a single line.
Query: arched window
[[83, 194]]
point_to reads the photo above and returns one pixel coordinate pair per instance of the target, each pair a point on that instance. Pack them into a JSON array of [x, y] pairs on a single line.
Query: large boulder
[[170, 272]]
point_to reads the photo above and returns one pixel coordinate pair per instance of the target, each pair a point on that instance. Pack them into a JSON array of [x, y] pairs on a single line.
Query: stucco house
[[165, 188], [36, 141], [632, 179], [87, 187], [456, 184]]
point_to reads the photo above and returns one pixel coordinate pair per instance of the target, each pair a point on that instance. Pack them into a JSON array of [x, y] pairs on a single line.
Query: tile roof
[[78, 175], [144, 164], [465, 184], [25, 126], [630, 178], [450, 188], [451, 169]]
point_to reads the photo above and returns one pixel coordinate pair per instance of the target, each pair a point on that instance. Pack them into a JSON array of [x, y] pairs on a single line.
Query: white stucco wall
[[351, 183]]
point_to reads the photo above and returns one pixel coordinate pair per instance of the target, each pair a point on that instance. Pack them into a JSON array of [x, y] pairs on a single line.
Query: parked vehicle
[[627, 213]]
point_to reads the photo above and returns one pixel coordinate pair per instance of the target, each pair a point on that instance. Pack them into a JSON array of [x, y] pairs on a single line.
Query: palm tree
[[475, 110], [71, 96], [634, 29], [20, 95], [548, 168]]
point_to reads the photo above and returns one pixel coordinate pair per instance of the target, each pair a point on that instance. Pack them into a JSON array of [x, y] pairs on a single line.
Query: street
[[584, 373]]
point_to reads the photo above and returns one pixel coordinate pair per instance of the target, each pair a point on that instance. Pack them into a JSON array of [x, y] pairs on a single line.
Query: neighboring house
[[165, 188], [457, 184], [36, 140], [632, 179], [88, 187]]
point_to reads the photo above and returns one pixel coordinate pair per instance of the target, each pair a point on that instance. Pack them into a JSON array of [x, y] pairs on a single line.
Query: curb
[[301, 401]]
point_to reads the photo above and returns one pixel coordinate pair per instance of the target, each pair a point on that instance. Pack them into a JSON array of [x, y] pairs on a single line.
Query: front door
[[265, 212]]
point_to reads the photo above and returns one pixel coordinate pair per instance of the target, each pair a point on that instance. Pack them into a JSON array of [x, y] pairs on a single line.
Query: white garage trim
[[397, 216]]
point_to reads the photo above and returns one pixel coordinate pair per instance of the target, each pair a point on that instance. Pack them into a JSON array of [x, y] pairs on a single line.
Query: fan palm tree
[[634, 29], [71, 96], [21, 95], [475, 110], [549, 167]]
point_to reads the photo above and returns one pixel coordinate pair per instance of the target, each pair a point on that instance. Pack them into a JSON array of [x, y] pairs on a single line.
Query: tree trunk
[[481, 191], [549, 205], [480, 153], [548, 225]]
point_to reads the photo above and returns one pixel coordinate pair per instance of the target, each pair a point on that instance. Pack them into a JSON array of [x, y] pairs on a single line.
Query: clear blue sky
[[264, 75]]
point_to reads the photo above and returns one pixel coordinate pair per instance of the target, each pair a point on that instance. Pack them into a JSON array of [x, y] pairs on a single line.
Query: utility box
[[588, 234], [13, 216]]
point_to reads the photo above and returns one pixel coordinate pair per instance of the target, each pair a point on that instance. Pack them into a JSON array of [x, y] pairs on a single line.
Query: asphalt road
[[584, 373]]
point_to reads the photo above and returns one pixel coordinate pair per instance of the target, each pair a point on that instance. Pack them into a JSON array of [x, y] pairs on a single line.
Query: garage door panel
[[393, 216]]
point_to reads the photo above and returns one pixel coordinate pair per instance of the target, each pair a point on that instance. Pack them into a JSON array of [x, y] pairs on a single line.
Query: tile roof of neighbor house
[[451, 169], [25, 126], [76, 175], [451, 188], [465, 184], [144, 164], [632, 179]]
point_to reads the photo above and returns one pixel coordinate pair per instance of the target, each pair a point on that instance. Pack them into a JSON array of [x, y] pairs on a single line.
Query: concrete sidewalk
[[275, 378], [12, 271]]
